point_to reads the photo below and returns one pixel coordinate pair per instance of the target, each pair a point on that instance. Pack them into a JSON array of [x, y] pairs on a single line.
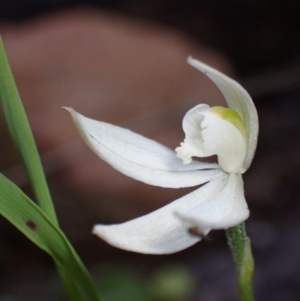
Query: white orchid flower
[[230, 133]]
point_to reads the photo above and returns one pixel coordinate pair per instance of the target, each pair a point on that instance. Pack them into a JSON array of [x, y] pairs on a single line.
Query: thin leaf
[[22, 137], [23, 140], [72, 288], [25, 215]]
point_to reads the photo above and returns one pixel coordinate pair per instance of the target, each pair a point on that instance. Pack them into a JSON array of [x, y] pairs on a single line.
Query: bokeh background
[[124, 62]]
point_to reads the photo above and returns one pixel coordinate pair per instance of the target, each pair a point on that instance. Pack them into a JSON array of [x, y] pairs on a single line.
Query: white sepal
[[139, 157], [219, 204], [161, 232], [226, 209], [237, 99]]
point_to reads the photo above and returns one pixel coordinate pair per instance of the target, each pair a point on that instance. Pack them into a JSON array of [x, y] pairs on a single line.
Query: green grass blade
[[22, 137], [24, 214], [72, 289], [23, 140]]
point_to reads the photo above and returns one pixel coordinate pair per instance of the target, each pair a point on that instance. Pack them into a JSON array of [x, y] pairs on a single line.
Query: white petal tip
[[195, 63], [99, 230], [94, 230], [69, 109], [190, 60]]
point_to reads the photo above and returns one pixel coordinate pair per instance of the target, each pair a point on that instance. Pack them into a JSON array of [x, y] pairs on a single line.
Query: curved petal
[[160, 232], [224, 139], [193, 142], [208, 133], [227, 209], [238, 99], [139, 157]]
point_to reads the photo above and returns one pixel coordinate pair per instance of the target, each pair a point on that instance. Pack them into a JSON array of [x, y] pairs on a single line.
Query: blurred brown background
[[124, 62]]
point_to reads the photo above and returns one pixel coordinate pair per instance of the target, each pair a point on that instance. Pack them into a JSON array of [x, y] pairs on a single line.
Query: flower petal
[[141, 158], [193, 142], [227, 209], [224, 139], [207, 133], [238, 99], [161, 232]]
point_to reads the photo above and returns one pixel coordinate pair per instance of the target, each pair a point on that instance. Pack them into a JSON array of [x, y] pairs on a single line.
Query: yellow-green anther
[[231, 116]]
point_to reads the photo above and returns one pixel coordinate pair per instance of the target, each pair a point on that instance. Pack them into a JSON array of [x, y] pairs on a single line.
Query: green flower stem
[[242, 254], [22, 137]]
